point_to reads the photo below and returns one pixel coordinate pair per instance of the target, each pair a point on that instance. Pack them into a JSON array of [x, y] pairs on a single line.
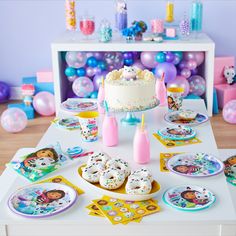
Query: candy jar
[[105, 31], [141, 144], [70, 15], [87, 25], [169, 12], [184, 27], [121, 16], [196, 16]]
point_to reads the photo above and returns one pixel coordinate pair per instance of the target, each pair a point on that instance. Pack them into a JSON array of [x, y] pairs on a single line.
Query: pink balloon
[[191, 64], [148, 59], [197, 56], [182, 65], [90, 72], [13, 120], [138, 64], [229, 112], [186, 73], [44, 103], [181, 82]]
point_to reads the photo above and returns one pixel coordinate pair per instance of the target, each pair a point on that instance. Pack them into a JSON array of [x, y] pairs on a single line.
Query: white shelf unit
[[67, 43]]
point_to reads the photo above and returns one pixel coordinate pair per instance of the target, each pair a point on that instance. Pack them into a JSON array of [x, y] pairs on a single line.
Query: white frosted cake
[[130, 89]]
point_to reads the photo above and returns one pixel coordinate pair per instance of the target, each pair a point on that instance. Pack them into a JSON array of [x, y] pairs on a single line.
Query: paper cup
[[88, 125], [175, 98]]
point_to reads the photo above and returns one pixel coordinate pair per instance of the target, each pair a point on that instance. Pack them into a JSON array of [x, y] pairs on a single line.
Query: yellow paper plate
[[120, 193]]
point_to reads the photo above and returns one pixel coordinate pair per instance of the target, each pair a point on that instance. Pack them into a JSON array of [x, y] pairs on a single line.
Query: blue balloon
[[94, 94], [92, 62], [161, 57], [129, 62], [102, 65], [81, 72], [70, 71]]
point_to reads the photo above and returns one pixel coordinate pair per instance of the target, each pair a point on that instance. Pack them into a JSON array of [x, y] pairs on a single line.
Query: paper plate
[[177, 132], [188, 198], [195, 165], [230, 169], [77, 105], [120, 193], [173, 118], [42, 200], [69, 123]]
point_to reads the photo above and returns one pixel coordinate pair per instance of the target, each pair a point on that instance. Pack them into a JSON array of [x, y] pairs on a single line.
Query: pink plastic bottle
[[110, 131], [101, 96], [161, 91], [141, 146]]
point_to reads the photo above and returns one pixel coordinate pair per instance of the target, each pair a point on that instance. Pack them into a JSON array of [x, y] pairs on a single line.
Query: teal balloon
[[81, 72], [69, 71], [179, 55], [94, 94], [161, 57], [102, 65]]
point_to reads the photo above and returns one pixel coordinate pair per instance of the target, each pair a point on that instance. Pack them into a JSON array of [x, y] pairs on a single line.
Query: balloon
[[194, 72], [148, 59], [197, 85], [161, 57], [138, 65], [98, 55], [128, 62], [186, 73], [102, 65], [4, 92], [176, 60], [114, 60], [81, 71], [90, 71], [76, 59], [97, 70], [72, 78], [69, 71], [82, 87], [192, 96], [92, 62], [191, 64], [170, 57], [128, 55], [136, 55], [168, 68], [182, 65], [229, 112], [13, 120], [179, 81], [89, 54], [44, 103], [97, 80], [179, 55], [197, 56], [94, 94]]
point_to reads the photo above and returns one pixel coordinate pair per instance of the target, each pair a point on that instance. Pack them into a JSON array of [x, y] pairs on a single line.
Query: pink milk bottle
[[141, 146], [161, 91], [110, 131], [101, 97]]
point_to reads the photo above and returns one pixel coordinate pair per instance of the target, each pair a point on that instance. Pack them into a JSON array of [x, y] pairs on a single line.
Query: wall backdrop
[[27, 27]]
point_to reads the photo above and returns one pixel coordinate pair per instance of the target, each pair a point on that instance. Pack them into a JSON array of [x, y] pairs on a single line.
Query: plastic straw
[[106, 107], [142, 122]]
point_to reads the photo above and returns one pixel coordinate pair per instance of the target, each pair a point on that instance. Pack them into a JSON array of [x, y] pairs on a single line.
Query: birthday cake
[[130, 89]]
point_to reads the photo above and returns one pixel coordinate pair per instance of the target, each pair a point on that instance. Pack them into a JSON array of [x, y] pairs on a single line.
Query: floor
[[225, 135]]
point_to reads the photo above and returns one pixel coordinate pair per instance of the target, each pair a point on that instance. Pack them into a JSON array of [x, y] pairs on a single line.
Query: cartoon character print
[[172, 104], [187, 169], [229, 74], [230, 167], [49, 196], [129, 73], [195, 197]]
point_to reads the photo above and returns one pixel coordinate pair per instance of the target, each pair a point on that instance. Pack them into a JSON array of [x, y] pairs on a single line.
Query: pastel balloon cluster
[[85, 70]]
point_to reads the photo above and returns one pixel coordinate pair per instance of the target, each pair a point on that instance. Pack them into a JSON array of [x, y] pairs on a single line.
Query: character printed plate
[[120, 193], [42, 200], [69, 123], [188, 198], [177, 132], [173, 118], [78, 105], [230, 169], [195, 165]]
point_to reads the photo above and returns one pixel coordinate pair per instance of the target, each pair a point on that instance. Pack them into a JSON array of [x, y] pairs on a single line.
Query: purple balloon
[[138, 64], [148, 59], [114, 60], [97, 80], [136, 55], [168, 69], [44, 103], [182, 65], [176, 60], [97, 70], [128, 55], [90, 71], [179, 81], [196, 56], [197, 85], [72, 78], [170, 57], [194, 72], [186, 73], [82, 87], [191, 64], [4, 92], [98, 55]]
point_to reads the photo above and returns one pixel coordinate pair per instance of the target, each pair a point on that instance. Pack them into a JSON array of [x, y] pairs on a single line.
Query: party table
[[73, 42], [220, 219]]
